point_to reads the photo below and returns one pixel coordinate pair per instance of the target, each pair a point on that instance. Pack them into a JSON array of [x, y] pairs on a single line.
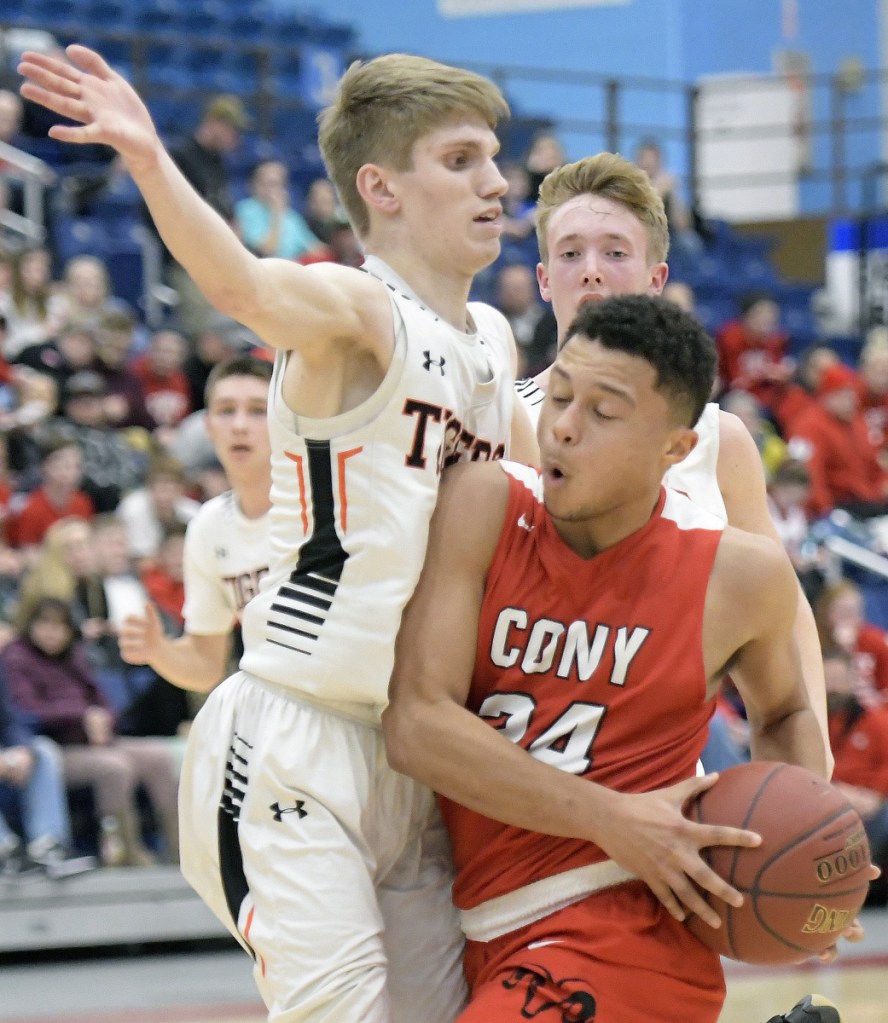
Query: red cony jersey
[[593, 666]]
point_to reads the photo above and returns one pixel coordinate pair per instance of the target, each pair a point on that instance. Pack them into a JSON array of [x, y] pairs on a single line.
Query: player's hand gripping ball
[[806, 881]]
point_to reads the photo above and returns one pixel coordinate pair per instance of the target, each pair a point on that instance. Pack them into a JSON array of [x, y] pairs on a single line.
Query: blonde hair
[[383, 106], [50, 574], [614, 177]]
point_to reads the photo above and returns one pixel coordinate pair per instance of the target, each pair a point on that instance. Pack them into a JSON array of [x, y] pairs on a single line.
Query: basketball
[[806, 881]]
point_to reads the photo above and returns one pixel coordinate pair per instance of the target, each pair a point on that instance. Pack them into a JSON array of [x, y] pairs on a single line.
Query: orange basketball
[[804, 883]]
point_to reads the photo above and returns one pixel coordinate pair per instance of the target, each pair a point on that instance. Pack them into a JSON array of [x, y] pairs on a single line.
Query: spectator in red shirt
[[832, 439], [160, 370], [800, 391], [164, 577], [752, 349], [57, 497], [858, 736], [841, 622]]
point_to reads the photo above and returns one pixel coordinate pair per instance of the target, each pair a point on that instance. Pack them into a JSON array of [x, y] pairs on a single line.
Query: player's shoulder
[[211, 512], [754, 565], [472, 505], [468, 480]]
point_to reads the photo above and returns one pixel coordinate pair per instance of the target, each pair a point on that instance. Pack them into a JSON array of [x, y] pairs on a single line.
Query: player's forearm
[[196, 235], [811, 657], [181, 662], [792, 739], [461, 757]]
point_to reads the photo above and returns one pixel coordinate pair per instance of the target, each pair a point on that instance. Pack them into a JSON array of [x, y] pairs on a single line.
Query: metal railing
[[35, 176]]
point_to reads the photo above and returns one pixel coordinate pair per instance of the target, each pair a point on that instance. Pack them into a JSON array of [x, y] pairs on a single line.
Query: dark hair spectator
[[50, 681]]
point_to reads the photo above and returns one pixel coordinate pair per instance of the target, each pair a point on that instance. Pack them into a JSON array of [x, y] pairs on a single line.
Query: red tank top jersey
[[593, 666]]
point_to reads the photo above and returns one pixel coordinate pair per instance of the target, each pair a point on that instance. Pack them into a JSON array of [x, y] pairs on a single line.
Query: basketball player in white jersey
[[602, 231], [227, 544], [331, 869]]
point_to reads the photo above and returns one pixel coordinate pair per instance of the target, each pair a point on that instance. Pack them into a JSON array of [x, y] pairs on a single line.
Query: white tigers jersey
[[226, 555], [695, 476], [352, 497]]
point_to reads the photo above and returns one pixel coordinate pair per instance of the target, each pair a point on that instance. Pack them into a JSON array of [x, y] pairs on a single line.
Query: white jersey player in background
[[227, 543], [330, 868], [602, 231]]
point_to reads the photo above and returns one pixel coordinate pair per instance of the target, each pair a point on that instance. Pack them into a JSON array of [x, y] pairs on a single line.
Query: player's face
[[237, 424], [450, 199], [597, 248], [606, 438]]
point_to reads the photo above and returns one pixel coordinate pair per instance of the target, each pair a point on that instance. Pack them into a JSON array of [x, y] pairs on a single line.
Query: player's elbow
[[401, 730]]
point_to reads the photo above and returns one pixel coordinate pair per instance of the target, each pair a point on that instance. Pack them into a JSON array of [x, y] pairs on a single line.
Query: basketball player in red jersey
[[583, 615], [602, 231]]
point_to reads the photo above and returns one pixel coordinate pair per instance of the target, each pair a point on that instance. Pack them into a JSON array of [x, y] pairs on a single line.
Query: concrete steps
[[118, 906]]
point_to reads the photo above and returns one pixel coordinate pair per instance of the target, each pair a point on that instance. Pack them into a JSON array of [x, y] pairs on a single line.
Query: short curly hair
[[656, 330]]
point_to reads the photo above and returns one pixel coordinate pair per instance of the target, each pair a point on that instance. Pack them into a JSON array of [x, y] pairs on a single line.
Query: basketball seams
[[752, 933]]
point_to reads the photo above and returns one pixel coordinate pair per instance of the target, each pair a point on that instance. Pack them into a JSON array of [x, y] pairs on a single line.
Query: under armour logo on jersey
[[429, 362], [279, 810], [524, 524]]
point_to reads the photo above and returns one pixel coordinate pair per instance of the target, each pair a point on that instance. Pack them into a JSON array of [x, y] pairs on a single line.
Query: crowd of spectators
[[103, 461]]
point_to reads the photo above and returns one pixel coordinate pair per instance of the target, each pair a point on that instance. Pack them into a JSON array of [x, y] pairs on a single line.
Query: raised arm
[[432, 736], [741, 480], [287, 305]]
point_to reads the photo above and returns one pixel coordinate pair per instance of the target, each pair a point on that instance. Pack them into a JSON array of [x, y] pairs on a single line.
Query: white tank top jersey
[[696, 476], [352, 497], [226, 556]]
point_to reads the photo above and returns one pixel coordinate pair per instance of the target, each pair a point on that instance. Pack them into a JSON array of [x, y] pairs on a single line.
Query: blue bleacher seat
[[249, 23], [156, 16], [56, 12], [204, 18], [107, 14], [77, 236]]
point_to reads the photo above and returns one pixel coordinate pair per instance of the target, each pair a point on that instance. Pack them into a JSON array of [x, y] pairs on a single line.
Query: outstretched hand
[[86, 89], [649, 835]]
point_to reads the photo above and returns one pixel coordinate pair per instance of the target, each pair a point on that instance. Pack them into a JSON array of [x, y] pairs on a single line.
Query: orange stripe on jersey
[[343, 501], [247, 929], [301, 477]]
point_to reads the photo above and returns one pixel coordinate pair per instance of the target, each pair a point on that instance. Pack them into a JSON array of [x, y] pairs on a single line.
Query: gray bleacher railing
[[35, 175]]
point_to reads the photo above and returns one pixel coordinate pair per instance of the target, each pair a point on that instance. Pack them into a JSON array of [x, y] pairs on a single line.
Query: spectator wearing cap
[[58, 495], [752, 350], [111, 466], [267, 222], [201, 158], [831, 437]]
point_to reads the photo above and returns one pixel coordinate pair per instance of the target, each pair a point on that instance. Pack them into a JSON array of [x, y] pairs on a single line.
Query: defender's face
[[604, 432], [597, 248], [237, 423], [450, 199]]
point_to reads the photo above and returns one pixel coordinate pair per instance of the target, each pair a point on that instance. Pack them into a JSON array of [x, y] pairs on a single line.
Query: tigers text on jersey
[[352, 497], [695, 475], [226, 556], [593, 666]]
